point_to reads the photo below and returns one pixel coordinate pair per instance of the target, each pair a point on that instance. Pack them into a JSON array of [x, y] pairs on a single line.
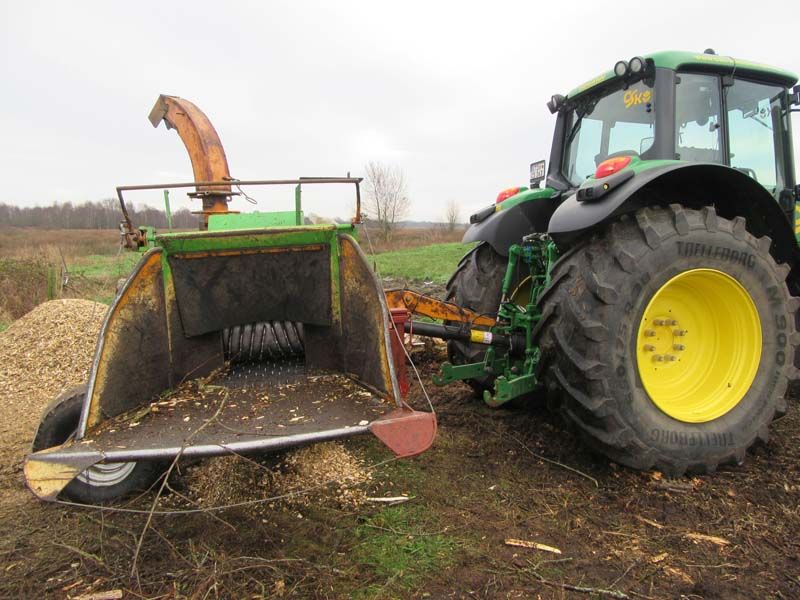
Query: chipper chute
[[230, 341]]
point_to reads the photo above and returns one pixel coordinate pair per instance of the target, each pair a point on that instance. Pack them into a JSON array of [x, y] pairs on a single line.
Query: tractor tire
[[101, 483], [476, 284], [698, 291]]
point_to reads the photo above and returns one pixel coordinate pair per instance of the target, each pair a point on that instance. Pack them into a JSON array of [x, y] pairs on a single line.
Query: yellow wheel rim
[[699, 345]]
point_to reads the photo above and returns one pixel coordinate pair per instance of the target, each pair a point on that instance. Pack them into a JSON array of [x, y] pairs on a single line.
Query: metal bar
[[158, 186], [169, 212], [298, 220], [200, 450]]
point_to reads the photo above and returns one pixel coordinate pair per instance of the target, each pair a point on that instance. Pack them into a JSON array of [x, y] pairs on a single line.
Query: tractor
[[648, 292], [648, 289]]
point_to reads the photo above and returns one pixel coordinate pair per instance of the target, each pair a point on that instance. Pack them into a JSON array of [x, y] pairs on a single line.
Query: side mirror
[[794, 97]]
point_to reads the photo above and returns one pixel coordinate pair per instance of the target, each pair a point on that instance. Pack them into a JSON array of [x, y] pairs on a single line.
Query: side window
[[697, 116], [754, 124]]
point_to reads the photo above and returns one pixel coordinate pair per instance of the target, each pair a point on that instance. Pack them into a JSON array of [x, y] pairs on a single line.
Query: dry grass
[[407, 237], [50, 245]]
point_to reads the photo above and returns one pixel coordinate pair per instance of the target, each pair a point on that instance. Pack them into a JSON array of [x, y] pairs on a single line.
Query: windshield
[[622, 122]]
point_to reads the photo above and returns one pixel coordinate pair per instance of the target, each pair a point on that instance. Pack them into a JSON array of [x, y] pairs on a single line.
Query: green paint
[[167, 209], [254, 220], [680, 60], [516, 319], [298, 205], [525, 196], [202, 241]]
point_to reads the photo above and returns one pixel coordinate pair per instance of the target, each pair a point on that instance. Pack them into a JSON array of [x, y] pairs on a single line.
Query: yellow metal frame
[[699, 345]]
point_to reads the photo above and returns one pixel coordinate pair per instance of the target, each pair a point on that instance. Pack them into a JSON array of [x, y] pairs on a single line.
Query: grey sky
[[454, 93]]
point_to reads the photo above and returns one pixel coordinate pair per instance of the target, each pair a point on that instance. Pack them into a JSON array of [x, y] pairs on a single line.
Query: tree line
[[104, 214]]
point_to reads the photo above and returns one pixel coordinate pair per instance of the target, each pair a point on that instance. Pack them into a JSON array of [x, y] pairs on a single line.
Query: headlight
[[621, 68]]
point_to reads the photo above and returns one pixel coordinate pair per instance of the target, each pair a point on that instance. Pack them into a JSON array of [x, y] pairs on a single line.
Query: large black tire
[[476, 284], [588, 336], [96, 485]]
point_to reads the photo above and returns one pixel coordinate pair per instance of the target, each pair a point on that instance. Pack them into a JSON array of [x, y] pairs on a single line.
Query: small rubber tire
[[588, 336], [58, 424], [476, 284]]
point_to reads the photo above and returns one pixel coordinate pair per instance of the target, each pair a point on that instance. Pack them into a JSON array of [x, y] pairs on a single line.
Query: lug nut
[[679, 332], [670, 357], [671, 322], [649, 333], [649, 347], [658, 358], [658, 322], [679, 347]]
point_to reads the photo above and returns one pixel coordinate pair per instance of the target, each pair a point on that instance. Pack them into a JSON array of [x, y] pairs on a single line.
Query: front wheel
[[670, 337], [100, 483]]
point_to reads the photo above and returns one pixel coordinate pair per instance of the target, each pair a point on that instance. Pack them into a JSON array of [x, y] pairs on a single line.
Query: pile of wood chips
[[320, 474], [41, 354]]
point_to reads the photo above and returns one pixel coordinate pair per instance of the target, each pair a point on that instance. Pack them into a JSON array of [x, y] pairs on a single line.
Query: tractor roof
[[676, 60]]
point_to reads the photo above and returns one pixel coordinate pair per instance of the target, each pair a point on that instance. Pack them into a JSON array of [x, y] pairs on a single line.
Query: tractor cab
[[679, 106]]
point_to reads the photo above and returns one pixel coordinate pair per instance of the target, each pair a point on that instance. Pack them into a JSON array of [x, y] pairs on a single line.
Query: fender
[[525, 213], [731, 192]]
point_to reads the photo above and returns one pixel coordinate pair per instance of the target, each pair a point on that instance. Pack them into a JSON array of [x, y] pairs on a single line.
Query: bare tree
[[451, 214], [386, 195]]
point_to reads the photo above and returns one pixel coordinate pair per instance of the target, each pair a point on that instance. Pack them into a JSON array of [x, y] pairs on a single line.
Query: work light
[[636, 65], [621, 68]]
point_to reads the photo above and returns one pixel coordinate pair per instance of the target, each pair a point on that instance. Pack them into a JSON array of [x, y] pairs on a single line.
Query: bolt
[[649, 347], [679, 347], [658, 322], [680, 332], [670, 357], [671, 322], [649, 333], [658, 358]]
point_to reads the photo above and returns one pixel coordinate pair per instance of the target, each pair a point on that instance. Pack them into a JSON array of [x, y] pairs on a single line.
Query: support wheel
[[100, 483], [670, 339]]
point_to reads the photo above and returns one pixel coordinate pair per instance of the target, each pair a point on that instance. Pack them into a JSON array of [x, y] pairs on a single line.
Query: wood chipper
[[256, 333]]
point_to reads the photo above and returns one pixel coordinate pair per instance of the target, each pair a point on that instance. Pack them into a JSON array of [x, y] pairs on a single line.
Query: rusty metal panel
[[131, 363], [365, 343], [220, 289]]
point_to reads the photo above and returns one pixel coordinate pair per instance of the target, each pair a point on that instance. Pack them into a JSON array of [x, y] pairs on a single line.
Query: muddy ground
[[621, 534]]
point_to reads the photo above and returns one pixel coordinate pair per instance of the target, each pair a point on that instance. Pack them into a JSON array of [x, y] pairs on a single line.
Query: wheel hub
[[699, 345]]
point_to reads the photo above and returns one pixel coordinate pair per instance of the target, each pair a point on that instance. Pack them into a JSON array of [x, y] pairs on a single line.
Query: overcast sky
[[453, 93]]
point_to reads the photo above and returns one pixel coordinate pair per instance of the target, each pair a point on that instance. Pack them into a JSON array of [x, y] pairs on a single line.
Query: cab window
[[697, 116], [756, 128]]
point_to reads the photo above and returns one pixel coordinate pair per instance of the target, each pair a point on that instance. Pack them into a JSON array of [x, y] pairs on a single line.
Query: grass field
[[434, 263]]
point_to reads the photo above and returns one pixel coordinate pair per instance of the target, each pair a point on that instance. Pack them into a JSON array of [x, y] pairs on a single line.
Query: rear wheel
[[670, 339], [99, 483]]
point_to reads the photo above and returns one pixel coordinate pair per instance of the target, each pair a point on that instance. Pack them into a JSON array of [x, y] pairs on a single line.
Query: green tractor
[[649, 287]]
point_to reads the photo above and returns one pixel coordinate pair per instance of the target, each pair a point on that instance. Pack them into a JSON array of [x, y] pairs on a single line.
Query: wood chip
[[649, 522], [659, 557], [108, 595], [532, 545], [702, 537], [393, 499]]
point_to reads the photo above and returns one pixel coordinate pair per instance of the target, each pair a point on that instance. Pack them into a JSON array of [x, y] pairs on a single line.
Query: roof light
[[621, 68], [636, 65], [507, 193], [611, 166], [555, 103]]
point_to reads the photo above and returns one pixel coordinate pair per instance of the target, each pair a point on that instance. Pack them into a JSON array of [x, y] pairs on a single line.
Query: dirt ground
[[492, 475]]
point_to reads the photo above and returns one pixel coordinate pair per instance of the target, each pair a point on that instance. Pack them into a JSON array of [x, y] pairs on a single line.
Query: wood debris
[[702, 537], [532, 545]]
